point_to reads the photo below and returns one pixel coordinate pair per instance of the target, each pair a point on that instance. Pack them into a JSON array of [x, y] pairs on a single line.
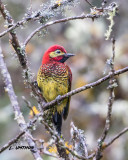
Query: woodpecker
[[54, 78]]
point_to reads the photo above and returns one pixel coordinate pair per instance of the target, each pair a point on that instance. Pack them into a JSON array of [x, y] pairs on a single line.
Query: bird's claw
[[58, 99], [35, 83]]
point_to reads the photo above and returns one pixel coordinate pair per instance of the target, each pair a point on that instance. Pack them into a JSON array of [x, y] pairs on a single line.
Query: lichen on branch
[[112, 11]]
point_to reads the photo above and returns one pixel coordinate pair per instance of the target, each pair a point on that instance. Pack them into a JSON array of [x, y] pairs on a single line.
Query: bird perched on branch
[[54, 78]]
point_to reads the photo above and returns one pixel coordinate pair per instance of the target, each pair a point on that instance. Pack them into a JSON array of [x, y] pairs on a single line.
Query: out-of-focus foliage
[[88, 109]]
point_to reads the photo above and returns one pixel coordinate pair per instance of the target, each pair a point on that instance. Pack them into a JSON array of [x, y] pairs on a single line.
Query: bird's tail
[[57, 120]]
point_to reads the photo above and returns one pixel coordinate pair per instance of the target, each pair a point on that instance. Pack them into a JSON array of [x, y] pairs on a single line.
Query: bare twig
[[83, 16], [12, 141], [116, 137], [28, 105], [11, 93], [107, 144], [89, 3], [20, 23]]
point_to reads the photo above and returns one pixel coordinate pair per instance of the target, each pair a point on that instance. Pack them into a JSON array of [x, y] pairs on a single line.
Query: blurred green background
[[88, 109]]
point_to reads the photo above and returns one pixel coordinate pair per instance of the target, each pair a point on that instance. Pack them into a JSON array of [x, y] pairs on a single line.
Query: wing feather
[[66, 108]]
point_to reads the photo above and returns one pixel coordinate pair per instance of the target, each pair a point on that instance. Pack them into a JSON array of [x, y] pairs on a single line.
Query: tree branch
[[13, 38], [85, 87], [107, 144], [36, 16], [16, 108], [111, 87], [12, 141], [58, 140], [116, 137], [61, 145], [29, 126], [83, 16], [20, 50]]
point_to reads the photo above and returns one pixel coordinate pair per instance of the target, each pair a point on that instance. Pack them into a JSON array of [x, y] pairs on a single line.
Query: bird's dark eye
[[58, 51]]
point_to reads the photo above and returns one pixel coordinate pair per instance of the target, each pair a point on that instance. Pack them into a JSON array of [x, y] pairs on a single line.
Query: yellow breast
[[52, 86]]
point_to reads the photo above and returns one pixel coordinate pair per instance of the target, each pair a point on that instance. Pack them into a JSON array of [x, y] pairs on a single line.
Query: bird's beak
[[66, 56], [69, 55]]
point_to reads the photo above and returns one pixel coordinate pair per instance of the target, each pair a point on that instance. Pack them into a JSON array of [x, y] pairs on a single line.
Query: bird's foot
[[58, 99], [35, 84]]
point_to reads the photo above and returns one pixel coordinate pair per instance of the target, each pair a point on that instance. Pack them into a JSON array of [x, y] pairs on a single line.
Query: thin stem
[[111, 87], [89, 3], [116, 137]]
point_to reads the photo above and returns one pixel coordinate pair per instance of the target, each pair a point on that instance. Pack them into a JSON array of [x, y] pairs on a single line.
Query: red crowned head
[[56, 53]]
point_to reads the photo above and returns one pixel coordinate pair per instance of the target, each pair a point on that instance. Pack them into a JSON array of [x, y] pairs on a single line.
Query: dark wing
[[66, 108]]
